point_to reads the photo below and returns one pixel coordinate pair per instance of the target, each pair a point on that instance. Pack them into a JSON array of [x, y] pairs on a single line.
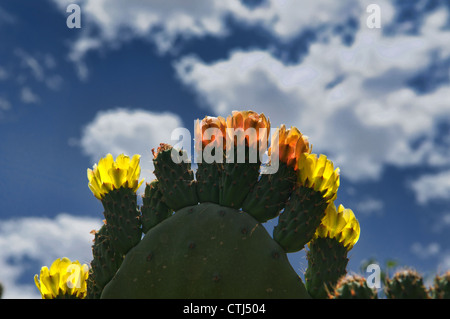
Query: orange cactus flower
[[244, 120], [291, 143], [202, 139]]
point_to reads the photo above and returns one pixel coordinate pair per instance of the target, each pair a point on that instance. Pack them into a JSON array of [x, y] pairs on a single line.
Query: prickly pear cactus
[[327, 254], [353, 287], [441, 287], [201, 234], [406, 284], [204, 236]]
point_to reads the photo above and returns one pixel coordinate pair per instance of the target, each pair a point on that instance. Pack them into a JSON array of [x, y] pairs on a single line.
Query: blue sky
[[374, 100]]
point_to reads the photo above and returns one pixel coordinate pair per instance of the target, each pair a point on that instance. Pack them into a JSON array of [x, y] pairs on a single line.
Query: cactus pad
[[215, 252]]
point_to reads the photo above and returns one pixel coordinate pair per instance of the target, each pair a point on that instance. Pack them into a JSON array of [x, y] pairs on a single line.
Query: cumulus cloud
[[27, 244], [352, 100], [335, 90], [164, 23], [161, 22], [131, 132], [430, 187]]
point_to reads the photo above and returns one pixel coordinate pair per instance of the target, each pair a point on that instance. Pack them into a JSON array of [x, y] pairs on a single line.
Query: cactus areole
[[217, 252]]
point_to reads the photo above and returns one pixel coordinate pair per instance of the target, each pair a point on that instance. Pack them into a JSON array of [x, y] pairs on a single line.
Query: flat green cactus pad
[[206, 251]]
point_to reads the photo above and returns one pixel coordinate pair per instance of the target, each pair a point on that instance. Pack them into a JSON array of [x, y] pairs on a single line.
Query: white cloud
[[161, 22], [369, 206], [430, 187], [41, 67], [28, 241], [333, 92], [164, 22], [4, 104], [425, 252], [30, 62], [351, 100], [128, 131], [28, 96], [286, 19]]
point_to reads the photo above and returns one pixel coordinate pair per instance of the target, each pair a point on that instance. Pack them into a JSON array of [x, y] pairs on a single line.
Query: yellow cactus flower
[[291, 144], [340, 224], [319, 173], [64, 279], [249, 120], [110, 174], [210, 122]]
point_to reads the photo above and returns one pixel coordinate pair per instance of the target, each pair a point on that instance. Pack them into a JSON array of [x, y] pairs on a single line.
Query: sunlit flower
[[64, 279], [319, 173], [218, 126], [110, 174], [245, 120], [340, 224], [291, 144]]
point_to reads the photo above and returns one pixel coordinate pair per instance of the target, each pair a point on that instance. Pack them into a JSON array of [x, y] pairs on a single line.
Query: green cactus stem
[[154, 210], [269, 195], [122, 219], [104, 264], [208, 176], [327, 262], [176, 179], [298, 222], [237, 180]]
